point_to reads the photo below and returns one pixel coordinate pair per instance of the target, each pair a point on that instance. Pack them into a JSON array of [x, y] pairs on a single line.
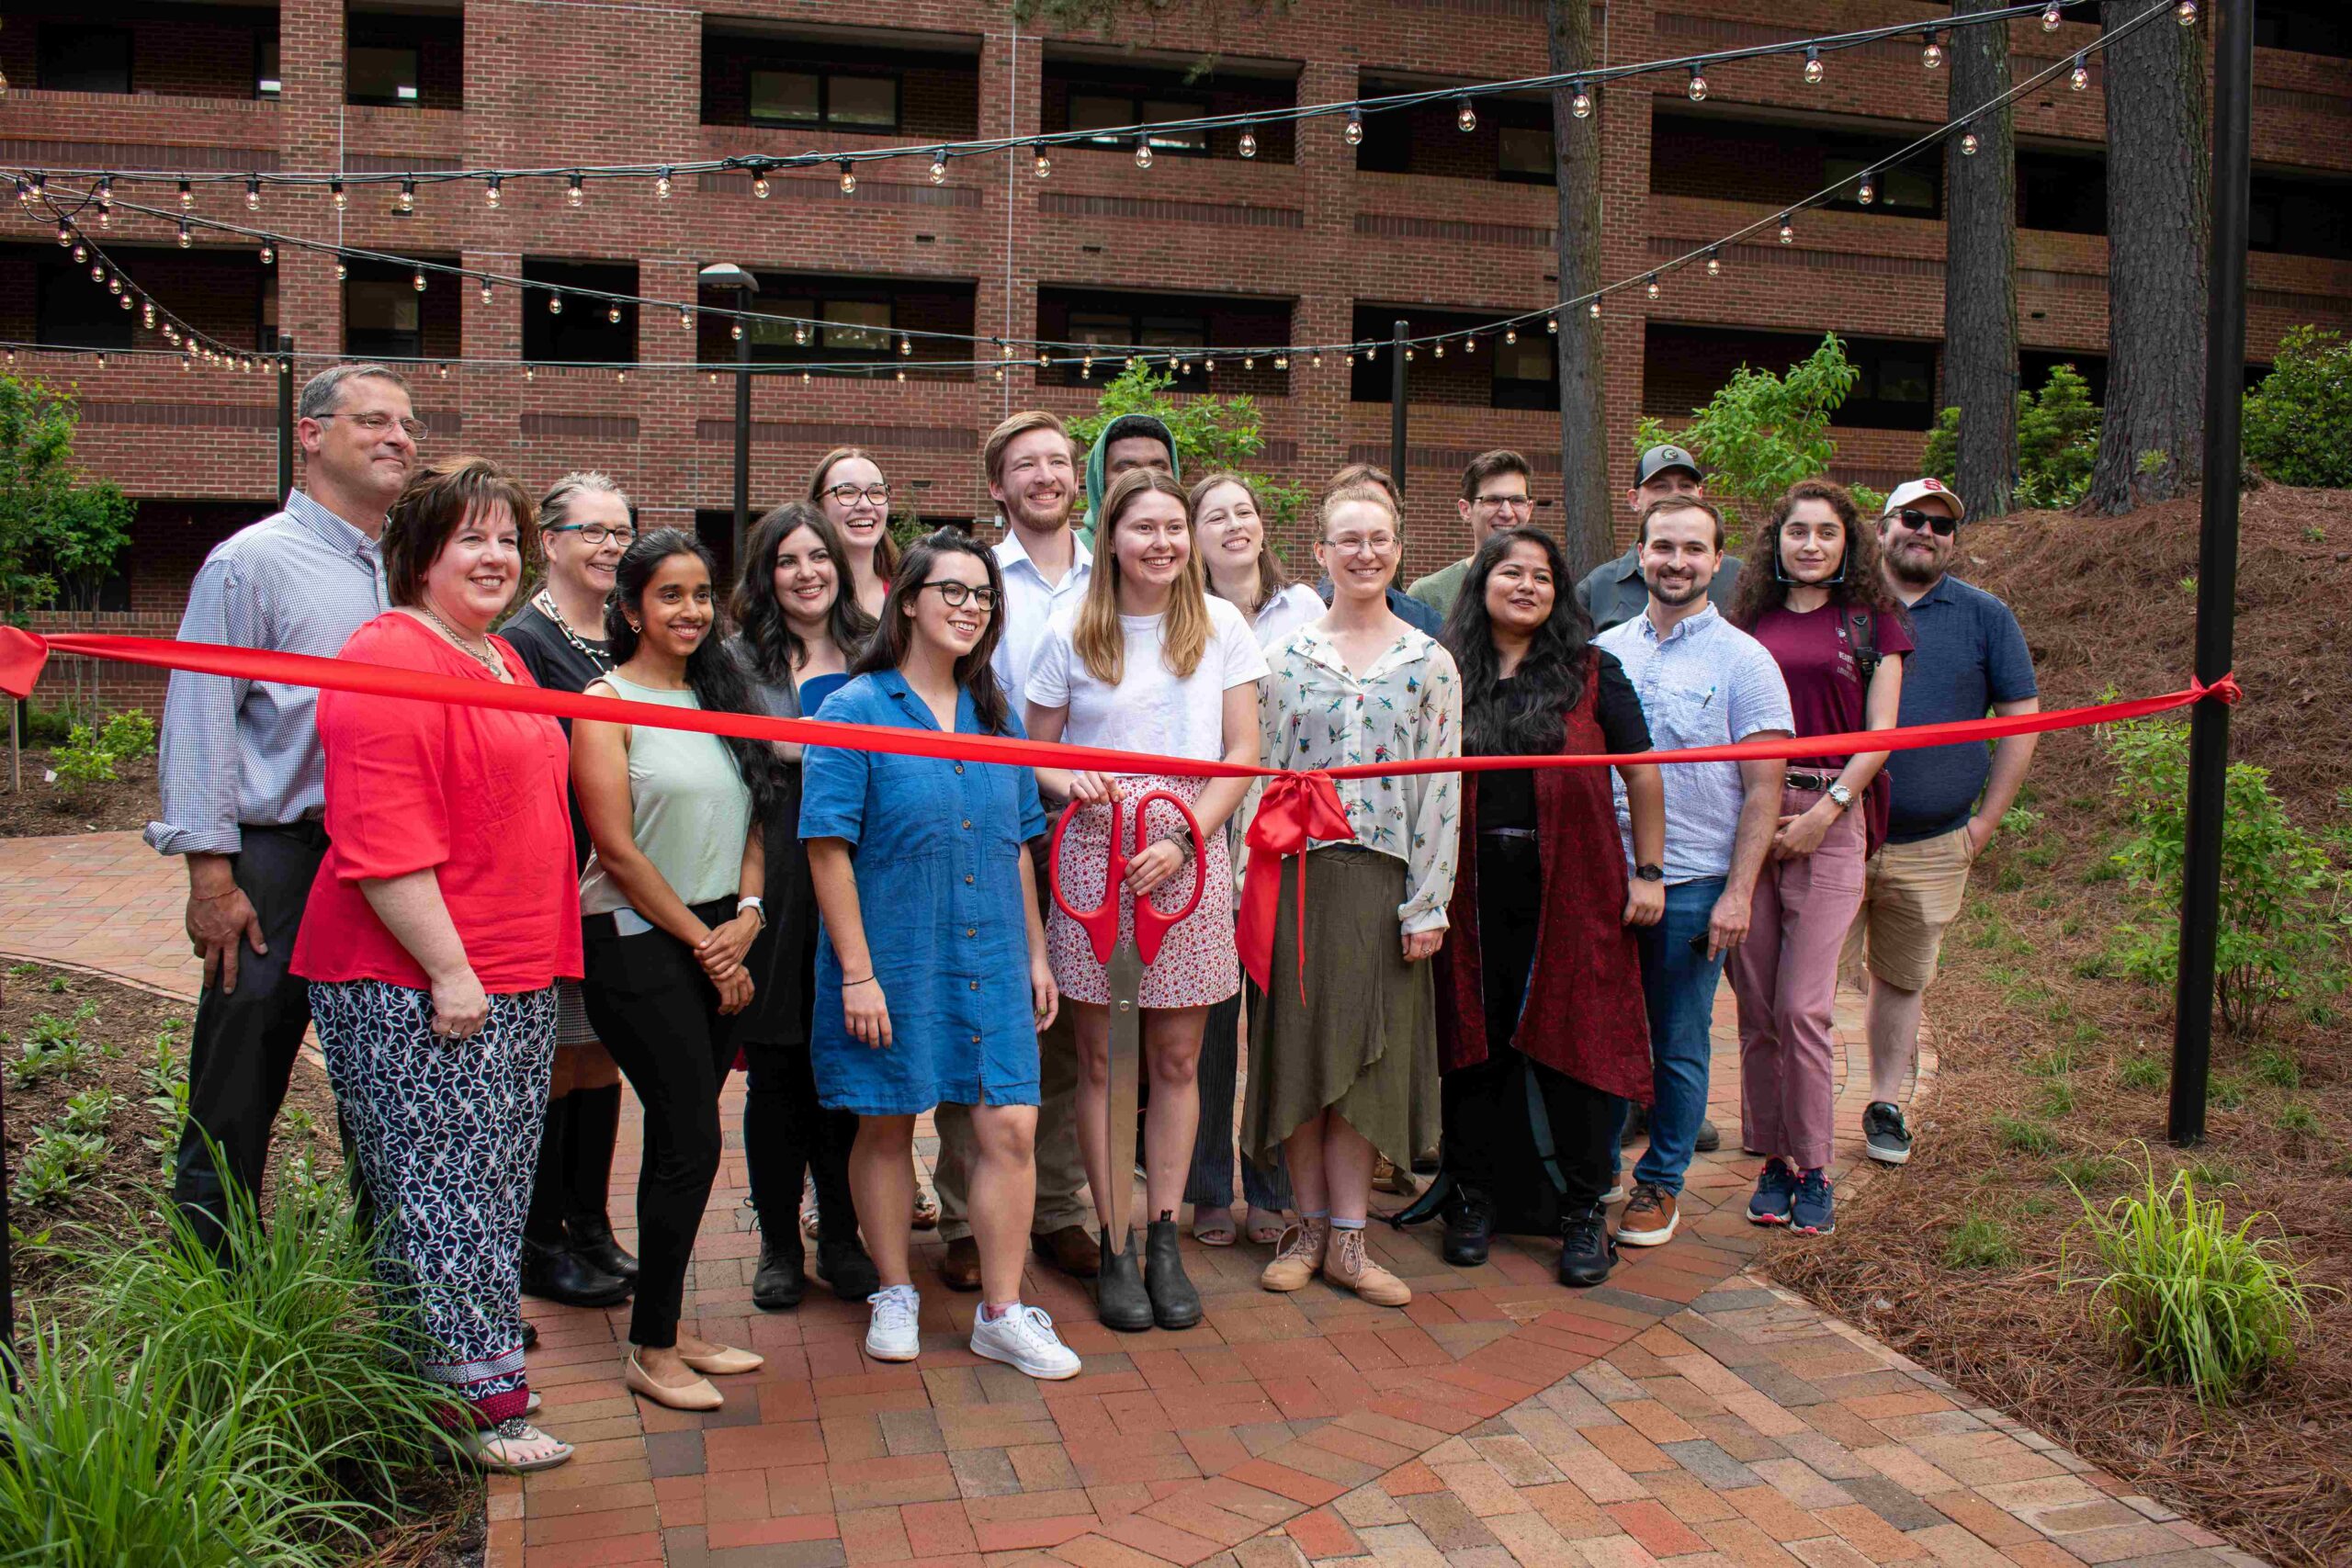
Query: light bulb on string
[[1437, 351], [1208, 366], [1698, 88], [485, 291], [106, 217], [1371, 352], [849, 179], [574, 194], [1593, 310], [490, 192], [1317, 362], [903, 375], [735, 332], [685, 319], [1652, 290], [336, 195], [2050, 16], [661, 184], [185, 238], [1579, 101], [1465, 116], [1866, 192], [939, 167], [800, 334], [418, 282], [38, 188], [1040, 165], [1510, 334], [1249, 362], [1143, 151], [1045, 361], [106, 192], [342, 273], [1812, 70], [102, 360], [1931, 57], [1968, 144], [2187, 13], [81, 252], [760, 185], [98, 272], [531, 373], [1355, 132], [1552, 323], [1248, 148], [1788, 233], [268, 253], [187, 196], [1282, 361], [555, 304], [1086, 370], [124, 303], [2080, 77], [621, 377], [613, 313], [65, 234], [406, 201], [253, 193], [1715, 265]]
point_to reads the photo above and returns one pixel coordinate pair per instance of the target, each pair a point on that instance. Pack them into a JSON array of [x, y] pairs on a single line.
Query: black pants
[[658, 1014], [245, 1041], [786, 1132]]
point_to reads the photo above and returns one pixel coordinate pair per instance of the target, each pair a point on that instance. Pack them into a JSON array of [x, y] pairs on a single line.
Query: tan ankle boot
[[1346, 1265], [1297, 1256]]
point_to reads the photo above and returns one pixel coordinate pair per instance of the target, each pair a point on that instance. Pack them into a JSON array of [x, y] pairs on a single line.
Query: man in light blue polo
[[1703, 682]]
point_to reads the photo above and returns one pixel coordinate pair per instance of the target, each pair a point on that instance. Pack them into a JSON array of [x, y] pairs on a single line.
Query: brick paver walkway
[[1688, 1413]]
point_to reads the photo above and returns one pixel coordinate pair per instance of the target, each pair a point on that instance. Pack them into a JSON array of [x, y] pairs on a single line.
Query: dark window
[[267, 83], [1521, 374], [715, 527], [1906, 189], [2300, 217], [84, 59], [1083, 92], [1523, 154], [2061, 192], [73, 312], [863, 327], [383, 73], [1714, 155], [1684, 366], [383, 315], [1527, 373], [1109, 110], [2311, 26], [1116, 322], [840, 99], [583, 332]]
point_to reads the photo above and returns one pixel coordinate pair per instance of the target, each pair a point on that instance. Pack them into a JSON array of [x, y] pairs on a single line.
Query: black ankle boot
[[556, 1274], [1174, 1303], [1120, 1298], [592, 1241], [1469, 1226], [1585, 1252], [779, 1283], [843, 1264]]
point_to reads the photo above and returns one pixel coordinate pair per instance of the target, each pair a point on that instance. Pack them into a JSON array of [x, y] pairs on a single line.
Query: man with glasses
[[241, 776], [1614, 592], [1967, 655], [1495, 495]]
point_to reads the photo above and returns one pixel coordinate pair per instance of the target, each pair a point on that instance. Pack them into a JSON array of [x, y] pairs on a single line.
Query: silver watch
[[1841, 793]]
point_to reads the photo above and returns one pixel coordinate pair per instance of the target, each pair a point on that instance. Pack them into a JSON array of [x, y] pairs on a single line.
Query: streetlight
[[727, 277]]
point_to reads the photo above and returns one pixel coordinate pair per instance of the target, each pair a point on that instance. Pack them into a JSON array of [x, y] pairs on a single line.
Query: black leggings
[[657, 1015], [786, 1131]]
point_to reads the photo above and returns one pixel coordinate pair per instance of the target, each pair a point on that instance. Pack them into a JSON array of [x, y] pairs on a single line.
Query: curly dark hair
[[888, 650], [717, 678], [1860, 585], [1549, 679], [775, 648]]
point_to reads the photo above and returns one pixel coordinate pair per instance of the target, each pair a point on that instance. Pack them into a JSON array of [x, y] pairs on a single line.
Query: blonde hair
[[1097, 637], [1374, 489], [992, 450]]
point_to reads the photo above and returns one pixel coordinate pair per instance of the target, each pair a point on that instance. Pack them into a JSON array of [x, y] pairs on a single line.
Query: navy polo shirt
[[1968, 654]]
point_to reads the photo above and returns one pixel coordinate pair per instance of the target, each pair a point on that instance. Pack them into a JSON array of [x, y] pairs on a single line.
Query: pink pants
[[1784, 978]]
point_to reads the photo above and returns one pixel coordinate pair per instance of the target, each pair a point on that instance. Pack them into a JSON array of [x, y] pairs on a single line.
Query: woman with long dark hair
[[938, 997], [1822, 608], [800, 626], [848, 485], [670, 907], [1540, 1022]]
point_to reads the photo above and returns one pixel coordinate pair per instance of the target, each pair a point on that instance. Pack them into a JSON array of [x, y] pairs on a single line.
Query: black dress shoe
[[1469, 1226], [592, 1239], [1120, 1299], [1585, 1252], [530, 1335], [778, 1284], [843, 1264], [1174, 1303], [557, 1274], [1708, 1139]]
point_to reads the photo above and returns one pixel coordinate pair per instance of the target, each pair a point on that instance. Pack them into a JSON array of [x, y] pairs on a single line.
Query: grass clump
[[2022, 1136], [1980, 1241], [2142, 1072], [2189, 1300]]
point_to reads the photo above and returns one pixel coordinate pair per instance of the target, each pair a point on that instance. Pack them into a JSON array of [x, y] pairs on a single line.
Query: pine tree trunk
[[2151, 446], [1980, 270], [1588, 520]]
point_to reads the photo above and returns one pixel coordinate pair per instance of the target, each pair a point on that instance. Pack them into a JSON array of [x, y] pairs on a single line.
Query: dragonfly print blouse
[[1317, 713]]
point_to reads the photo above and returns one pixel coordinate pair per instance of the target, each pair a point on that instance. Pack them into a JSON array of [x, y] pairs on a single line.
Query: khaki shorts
[[1911, 893]]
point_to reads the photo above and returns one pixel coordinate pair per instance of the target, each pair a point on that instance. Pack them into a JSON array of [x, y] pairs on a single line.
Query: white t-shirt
[[1150, 709], [1285, 613]]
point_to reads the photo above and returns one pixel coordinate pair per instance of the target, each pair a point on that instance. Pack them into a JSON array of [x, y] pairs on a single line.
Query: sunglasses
[[1919, 520]]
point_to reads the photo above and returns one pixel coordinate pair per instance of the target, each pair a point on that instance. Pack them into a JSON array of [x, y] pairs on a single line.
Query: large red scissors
[[1122, 967]]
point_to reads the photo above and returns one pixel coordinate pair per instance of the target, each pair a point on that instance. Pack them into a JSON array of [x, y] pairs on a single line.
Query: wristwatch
[[1838, 791], [1650, 873], [757, 906]]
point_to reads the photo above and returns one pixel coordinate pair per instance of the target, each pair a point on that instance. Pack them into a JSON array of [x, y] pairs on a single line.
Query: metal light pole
[[1398, 334], [285, 418], [745, 287], [2217, 566]]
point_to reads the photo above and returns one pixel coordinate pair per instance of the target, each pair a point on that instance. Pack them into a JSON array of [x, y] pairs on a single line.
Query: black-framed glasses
[[593, 535], [847, 495], [375, 423], [1923, 520], [958, 594]]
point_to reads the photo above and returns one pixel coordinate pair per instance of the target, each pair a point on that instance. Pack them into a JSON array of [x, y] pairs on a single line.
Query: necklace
[[485, 656], [597, 653]]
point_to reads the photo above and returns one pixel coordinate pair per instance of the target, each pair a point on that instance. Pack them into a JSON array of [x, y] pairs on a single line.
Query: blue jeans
[[1679, 988]]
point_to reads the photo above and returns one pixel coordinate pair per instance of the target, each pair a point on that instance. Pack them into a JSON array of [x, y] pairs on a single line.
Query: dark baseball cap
[[1658, 459]]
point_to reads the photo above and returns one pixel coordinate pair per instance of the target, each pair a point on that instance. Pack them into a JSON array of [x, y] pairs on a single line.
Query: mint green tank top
[[689, 808]]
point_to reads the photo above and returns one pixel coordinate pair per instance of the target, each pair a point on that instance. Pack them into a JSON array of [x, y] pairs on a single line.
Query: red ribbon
[[1295, 807]]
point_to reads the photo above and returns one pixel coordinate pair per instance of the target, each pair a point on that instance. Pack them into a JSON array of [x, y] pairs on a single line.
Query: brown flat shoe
[[960, 1270], [698, 1394], [1070, 1249], [725, 1361]]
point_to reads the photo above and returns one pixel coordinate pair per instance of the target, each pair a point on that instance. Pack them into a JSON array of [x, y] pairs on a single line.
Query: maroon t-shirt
[[1816, 654]]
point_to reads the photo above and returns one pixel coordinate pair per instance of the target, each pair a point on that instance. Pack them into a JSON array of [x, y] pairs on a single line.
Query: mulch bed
[[2104, 602], [41, 809]]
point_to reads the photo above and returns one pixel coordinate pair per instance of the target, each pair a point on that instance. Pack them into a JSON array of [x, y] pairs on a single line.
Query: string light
[[735, 331], [253, 193], [1354, 132], [1714, 263], [418, 281], [661, 184], [1593, 310], [485, 291], [268, 253], [342, 273], [1437, 349], [490, 192], [613, 314], [186, 238], [65, 234], [1465, 116], [1866, 193], [1652, 290], [187, 197], [1552, 323], [621, 377], [531, 373], [685, 319], [1510, 334], [105, 193], [1040, 165], [38, 188], [2080, 77], [849, 179], [939, 167], [1249, 144], [906, 346], [1932, 56], [1143, 151], [406, 201], [336, 194], [2187, 12], [760, 185], [2050, 16], [1788, 231], [555, 304], [1813, 70], [1580, 102], [1969, 144], [1698, 88]]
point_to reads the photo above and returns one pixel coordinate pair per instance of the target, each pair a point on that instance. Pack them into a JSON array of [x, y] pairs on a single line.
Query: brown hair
[[1372, 474], [887, 647], [1272, 578], [886, 548], [1098, 637], [1487, 465], [1860, 585], [1374, 486], [1666, 504], [992, 452], [436, 500], [773, 650]]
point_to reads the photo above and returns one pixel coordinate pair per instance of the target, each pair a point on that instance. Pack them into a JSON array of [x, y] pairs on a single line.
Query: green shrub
[[2280, 935], [2022, 1136], [55, 1163], [1211, 432], [1761, 433], [90, 1110], [2186, 1299], [2057, 441], [54, 1048], [2299, 421], [91, 756], [1980, 1241], [128, 735]]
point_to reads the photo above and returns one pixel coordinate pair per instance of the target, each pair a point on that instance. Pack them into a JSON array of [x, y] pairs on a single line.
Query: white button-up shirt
[[1030, 603]]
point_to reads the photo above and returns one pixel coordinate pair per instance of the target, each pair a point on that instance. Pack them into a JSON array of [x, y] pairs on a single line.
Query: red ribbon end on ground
[[22, 654]]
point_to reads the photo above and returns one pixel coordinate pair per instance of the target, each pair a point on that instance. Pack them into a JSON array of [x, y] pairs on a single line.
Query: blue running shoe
[[1814, 1211], [1776, 1187]]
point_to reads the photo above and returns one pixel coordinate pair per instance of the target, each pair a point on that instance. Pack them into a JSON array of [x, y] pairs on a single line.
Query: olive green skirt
[[1363, 1043]]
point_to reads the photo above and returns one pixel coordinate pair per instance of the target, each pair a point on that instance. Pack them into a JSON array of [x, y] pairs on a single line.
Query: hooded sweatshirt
[[1098, 479]]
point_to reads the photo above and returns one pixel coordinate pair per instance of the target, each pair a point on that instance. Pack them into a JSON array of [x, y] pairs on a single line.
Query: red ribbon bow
[[2225, 691], [1294, 808], [21, 656]]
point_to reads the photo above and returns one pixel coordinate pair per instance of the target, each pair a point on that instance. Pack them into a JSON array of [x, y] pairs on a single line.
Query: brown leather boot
[[1069, 1249], [960, 1270], [1348, 1266], [1297, 1256]]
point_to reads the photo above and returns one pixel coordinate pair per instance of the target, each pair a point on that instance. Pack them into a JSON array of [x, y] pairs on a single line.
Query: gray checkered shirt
[[247, 753]]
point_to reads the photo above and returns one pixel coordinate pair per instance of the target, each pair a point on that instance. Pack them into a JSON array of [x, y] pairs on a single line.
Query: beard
[[1918, 564], [1675, 595], [1018, 510]]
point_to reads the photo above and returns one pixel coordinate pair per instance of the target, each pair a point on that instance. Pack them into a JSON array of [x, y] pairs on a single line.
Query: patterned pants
[[447, 1134]]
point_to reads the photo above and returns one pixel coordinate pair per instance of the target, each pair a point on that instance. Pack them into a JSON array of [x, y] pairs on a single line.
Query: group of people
[[491, 916]]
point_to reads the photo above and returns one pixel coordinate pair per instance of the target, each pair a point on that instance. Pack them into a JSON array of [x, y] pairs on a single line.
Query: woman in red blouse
[[444, 913]]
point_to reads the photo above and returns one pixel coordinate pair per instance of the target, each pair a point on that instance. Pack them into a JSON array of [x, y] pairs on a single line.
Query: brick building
[[1308, 239]]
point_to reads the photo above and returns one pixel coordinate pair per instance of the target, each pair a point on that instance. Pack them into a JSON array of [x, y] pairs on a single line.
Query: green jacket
[[1098, 479]]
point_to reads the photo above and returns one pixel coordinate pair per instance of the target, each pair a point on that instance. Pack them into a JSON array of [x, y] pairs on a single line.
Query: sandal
[[496, 1448], [1262, 1230], [1218, 1234]]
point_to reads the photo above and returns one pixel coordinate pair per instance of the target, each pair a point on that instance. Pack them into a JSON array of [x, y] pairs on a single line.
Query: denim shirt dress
[[936, 847]]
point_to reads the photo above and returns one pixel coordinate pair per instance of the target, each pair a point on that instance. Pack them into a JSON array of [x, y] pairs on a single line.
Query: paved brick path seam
[[1689, 1413]]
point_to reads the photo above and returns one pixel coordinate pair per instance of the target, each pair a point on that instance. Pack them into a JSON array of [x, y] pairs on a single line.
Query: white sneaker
[[892, 1335], [1024, 1339]]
